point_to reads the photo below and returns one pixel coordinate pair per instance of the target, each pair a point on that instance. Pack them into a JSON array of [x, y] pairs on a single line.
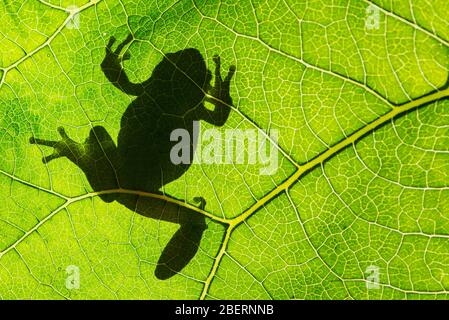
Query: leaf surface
[[363, 148]]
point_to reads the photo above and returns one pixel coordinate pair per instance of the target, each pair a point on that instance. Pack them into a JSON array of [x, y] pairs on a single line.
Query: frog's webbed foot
[[62, 148], [220, 91]]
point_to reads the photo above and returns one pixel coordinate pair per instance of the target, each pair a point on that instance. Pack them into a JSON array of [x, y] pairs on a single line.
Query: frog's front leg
[[219, 96], [113, 69]]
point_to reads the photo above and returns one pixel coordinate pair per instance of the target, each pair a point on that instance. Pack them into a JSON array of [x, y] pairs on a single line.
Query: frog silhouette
[[173, 97]]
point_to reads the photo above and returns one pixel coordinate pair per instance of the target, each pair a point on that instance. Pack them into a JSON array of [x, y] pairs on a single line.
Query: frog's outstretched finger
[[53, 156], [110, 44], [120, 47], [43, 142], [217, 62], [63, 134], [230, 74]]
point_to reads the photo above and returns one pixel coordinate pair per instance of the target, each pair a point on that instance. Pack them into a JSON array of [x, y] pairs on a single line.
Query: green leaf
[[357, 208]]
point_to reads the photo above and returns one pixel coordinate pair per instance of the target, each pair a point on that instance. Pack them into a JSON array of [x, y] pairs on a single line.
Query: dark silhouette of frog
[[172, 98]]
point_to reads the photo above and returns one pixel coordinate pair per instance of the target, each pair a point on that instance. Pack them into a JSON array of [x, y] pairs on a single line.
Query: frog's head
[[180, 81]]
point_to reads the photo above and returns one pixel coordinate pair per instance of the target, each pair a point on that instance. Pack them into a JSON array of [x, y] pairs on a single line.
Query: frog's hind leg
[[181, 248], [184, 244]]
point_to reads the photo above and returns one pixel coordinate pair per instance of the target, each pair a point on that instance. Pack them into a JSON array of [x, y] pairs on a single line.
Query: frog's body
[[172, 98]]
